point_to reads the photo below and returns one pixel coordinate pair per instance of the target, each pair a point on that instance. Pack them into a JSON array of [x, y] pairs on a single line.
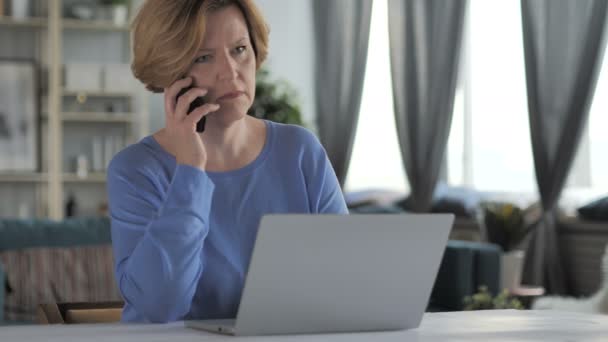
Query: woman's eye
[[241, 49], [203, 59]]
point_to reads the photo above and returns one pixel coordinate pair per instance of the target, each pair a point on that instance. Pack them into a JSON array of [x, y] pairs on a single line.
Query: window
[[589, 176], [489, 147], [376, 161]]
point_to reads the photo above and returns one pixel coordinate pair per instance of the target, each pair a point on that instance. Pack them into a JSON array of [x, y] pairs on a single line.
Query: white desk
[[499, 325]]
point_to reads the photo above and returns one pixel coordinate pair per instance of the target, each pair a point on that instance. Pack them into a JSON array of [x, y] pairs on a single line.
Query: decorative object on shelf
[[19, 116], [25, 211], [82, 77], [118, 10], [102, 209], [111, 146], [78, 103], [82, 166], [275, 100], [20, 9], [82, 12], [71, 206], [116, 107], [108, 150], [97, 147], [483, 300]]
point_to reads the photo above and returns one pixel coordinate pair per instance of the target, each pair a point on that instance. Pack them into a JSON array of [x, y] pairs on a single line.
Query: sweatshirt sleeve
[[158, 238]]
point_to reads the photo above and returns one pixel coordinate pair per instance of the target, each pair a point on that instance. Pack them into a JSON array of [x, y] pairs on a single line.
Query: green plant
[[505, 224], [483, 300], [275, 100]]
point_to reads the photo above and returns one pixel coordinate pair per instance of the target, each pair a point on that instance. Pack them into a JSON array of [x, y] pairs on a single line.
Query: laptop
[[338, 273]]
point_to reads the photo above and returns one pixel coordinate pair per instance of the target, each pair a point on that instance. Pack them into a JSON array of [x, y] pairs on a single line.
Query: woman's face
[[226, 65]]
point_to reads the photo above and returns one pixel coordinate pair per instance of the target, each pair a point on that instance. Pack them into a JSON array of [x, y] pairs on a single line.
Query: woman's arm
[[157, 248]]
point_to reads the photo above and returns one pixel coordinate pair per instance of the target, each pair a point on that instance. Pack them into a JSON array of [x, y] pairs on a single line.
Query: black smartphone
[[199, 101]]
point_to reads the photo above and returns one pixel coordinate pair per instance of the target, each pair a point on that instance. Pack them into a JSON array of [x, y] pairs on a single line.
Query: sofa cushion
[[57, 274], [595, 211], [464, 268], [18, 234]]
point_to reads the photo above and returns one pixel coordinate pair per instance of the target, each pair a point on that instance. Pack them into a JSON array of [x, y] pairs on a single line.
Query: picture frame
[[19, 115]]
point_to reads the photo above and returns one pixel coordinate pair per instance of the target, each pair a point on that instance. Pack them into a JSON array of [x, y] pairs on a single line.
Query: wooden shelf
[[98, 117], [97, 177], [67, 23], [96, 93], [95, 117], [60, 113], [22, 177], [93, 25], [32, 22]]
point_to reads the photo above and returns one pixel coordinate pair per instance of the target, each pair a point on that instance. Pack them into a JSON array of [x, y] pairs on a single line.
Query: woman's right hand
[[181, 126]]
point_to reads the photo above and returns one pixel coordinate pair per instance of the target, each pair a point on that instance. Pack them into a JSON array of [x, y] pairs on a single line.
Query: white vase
[[20, 9], [511, 268], [120, 14]]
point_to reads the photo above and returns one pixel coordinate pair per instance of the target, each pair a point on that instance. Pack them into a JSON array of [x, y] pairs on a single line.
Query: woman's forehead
[[225, 26]]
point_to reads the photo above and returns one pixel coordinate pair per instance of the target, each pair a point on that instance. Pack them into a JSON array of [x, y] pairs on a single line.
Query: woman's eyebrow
[[238, 41]]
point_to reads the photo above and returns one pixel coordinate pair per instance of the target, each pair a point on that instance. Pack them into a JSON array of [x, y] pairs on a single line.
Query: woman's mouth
[[230, 96]]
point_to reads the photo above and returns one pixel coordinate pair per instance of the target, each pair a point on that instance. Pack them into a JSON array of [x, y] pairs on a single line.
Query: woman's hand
[[181, 126]]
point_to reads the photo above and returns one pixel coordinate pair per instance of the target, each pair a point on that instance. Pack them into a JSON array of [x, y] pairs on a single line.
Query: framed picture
[[19, 115]]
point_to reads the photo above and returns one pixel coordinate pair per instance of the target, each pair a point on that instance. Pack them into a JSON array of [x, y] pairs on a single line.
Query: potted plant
[[506, 226], [483, 300], [275, 100]]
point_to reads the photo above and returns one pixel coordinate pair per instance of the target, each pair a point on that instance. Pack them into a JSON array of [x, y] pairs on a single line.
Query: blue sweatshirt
[[183, 237]]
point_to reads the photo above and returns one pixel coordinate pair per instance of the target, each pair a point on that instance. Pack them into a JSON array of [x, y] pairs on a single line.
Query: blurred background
[[491, 110]]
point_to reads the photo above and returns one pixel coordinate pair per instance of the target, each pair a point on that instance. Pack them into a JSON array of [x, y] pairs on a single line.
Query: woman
[[185, 206]]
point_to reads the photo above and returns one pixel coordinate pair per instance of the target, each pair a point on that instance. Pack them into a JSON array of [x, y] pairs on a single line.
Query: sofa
[[47, 262], [582, 244], [465, 267], [71, 261]]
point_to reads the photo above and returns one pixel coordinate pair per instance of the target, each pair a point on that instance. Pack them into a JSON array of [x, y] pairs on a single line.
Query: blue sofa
[[464, 268]]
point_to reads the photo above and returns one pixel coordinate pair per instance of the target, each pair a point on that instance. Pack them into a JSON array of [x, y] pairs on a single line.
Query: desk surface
[[497, 325]]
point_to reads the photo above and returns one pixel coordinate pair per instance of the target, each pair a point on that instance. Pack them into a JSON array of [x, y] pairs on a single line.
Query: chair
[[81, 312]]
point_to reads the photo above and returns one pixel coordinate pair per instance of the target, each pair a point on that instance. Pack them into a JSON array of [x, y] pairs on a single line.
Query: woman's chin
[[226, 118]]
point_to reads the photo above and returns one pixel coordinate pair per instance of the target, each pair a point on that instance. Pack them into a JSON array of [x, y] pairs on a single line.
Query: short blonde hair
[[166, 36]]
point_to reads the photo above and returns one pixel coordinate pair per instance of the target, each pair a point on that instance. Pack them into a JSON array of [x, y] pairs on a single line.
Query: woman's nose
[[227, 68]]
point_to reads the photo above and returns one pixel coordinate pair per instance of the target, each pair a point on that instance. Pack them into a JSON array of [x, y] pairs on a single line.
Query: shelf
[[90, 178], [22, 177], [98, 117], [93, 25], [97, 93], [26, 23], [71, 24]]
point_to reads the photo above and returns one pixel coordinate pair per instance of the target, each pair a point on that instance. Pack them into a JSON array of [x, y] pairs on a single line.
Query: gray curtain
[[341, 35], [563, 49], [425, 40]]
